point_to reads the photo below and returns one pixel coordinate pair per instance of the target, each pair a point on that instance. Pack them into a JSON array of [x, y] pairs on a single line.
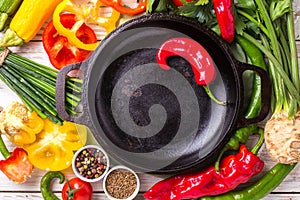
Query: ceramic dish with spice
[[90, 163], [121, 183]]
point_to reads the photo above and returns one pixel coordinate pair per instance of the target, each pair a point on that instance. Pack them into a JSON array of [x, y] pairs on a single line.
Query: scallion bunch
[[35, 85]]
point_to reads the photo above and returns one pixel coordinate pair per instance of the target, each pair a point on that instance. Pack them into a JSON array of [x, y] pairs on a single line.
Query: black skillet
[[155, 120]]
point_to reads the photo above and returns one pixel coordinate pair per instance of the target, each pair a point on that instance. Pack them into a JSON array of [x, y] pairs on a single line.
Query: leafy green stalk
[[252, 19], [27, 87], [269, 25], [293, 50], [290, 86], [35, 85]]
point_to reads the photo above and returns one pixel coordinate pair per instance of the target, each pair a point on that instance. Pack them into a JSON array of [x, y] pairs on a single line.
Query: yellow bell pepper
[[27, 21], [19, 124], [27, 133], [88, 13], [54, 146]]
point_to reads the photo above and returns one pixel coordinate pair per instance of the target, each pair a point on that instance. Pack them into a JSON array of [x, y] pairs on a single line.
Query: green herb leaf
[[204, 13], [248, 4], [253, 28], [279, 8], [238, 23], [201, 2], [157, 6]]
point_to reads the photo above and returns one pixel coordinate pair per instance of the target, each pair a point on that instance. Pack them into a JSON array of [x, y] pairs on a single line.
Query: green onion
[[35, 85], [277, 42], [276, 39]]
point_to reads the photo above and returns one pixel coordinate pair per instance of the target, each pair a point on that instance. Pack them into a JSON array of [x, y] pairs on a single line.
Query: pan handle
[[265, 94], [60, 94]]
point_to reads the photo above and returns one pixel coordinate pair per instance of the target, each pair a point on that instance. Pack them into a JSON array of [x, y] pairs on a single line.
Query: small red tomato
[[58, 48], [77, 189], [179, 3]]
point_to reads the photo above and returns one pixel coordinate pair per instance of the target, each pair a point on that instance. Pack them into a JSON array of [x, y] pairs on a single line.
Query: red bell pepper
[[16, 165], [59, 50], [225, 17], [118, 6], [235, 169]]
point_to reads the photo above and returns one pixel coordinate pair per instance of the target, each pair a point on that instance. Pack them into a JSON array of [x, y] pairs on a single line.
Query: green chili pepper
[[45, 184], [257, 59], [259, 189], [240, 136]]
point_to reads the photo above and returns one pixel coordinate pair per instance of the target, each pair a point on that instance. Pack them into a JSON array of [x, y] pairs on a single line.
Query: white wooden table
[[288, 189]]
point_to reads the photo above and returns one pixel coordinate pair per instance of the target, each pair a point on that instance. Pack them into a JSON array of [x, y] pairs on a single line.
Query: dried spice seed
[[121, 183], [91, 163]]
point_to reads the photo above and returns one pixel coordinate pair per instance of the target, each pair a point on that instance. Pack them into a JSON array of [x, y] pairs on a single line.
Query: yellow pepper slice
[[27, 133], [54, 146], [19, 124], [84, 13]]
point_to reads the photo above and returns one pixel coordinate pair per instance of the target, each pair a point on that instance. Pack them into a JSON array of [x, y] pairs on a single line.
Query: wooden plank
[[102, 196], [34, 51], [38, 196]]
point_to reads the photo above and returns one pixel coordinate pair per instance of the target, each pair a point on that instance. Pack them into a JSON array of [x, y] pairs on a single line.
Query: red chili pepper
[[59, 50], [225, 17], [16, 165], [118, 6], [179, 3], [235, 169], [199, 59]]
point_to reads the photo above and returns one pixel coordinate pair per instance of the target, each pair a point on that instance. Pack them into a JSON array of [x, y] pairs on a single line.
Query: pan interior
[[157, 119]]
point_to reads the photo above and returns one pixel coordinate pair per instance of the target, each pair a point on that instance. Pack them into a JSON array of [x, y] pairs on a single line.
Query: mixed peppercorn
[[91, 163]]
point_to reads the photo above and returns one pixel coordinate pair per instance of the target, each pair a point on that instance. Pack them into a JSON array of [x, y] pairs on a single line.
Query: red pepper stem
[[260, 141], [4, 151]]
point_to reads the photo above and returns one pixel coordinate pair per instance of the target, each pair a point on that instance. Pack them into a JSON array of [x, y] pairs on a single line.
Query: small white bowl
[[121, 167], [92, 149]]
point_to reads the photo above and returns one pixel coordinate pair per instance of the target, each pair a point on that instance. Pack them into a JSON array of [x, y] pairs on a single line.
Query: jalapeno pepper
[[117, 5], [235, 169], [225, 17], [16, 165], [88, 13], [258, 60], [45, 184]]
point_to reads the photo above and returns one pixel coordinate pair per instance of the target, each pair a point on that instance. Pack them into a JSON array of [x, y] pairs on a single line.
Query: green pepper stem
[[217, 163], [10, 39], [3, 149], [210, 94], [260, 141]]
